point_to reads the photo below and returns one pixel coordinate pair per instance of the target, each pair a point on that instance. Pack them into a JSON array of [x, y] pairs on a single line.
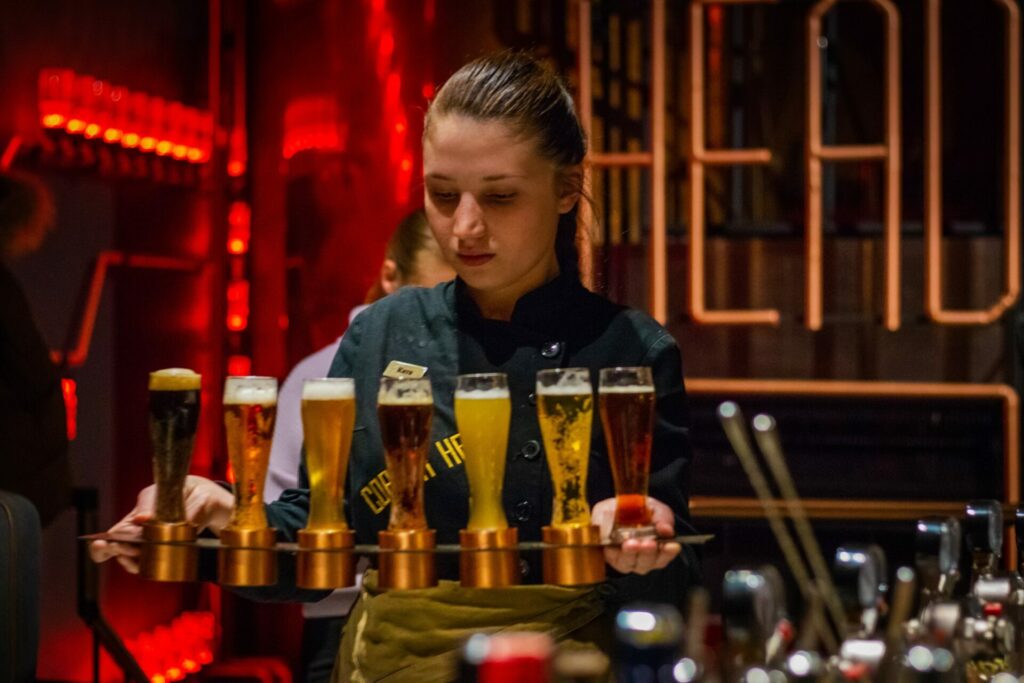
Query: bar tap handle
[[984, 532], [1018, 527], [752, 606], [860, 573], [937, 544]]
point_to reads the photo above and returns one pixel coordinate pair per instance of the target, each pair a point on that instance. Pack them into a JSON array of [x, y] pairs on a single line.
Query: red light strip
[[80, 104], [170, 653]]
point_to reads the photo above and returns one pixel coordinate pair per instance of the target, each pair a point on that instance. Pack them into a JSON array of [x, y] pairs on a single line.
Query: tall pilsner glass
[[405, 408], [173, 418], [247, 557], [328, 416], [626, 399], [565, 410], [483, 411]]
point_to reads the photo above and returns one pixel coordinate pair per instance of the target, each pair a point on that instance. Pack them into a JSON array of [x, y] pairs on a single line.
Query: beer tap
[[937, 544], [752, 607], [984, 530], [860, 577]]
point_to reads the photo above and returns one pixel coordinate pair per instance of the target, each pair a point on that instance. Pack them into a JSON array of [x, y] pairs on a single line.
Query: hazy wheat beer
[[328, 415], [250, 406], [626, 399], [405, 408], [173, 418], [246, 557], [483, 411], [565, 408]]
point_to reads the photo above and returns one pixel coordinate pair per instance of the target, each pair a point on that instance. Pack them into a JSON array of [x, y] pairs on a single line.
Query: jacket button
[[524, 567], [532, 399], [551, 349], [523, 510], [531, 449]]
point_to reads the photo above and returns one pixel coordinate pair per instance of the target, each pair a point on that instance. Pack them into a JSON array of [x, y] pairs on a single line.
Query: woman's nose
[[468, 217]]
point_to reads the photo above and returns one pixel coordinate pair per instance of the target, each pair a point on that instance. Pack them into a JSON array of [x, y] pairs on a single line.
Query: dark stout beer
[[405, 409], [173, 417]]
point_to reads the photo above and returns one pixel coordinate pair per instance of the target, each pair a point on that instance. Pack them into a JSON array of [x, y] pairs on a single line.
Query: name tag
[[396, 369]]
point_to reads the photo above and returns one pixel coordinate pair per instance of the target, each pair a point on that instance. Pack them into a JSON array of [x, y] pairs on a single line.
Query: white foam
[[250, 391], [329, 390], [576, 389], [382, 399], [485, 394], [627, 390], [170, 379]]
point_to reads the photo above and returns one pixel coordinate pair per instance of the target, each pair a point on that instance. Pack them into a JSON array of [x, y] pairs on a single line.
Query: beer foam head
[[637, 389], [174, 379], [250, 391], [405, 392], [492, 393], [328, 389], [567, 382]]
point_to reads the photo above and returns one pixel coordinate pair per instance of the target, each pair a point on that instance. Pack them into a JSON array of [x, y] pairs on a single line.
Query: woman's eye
[[501, 197], [444, 196]]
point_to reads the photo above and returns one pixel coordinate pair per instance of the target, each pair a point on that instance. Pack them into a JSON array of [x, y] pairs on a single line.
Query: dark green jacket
[[560, 324]]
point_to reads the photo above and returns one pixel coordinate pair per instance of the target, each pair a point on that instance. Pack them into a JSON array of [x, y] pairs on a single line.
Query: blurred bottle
[[507, 658], [648, 639]]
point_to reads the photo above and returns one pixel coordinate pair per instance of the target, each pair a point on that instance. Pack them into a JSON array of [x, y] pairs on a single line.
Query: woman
[[503, 153]]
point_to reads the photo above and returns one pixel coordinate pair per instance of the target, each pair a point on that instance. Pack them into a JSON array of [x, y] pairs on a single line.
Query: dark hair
[[26, 210], [411, 237], [519, 89]]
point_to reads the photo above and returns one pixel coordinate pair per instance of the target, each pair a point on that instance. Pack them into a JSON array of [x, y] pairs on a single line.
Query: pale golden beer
[[250, 405], [483, 411], [328, 415], [626, 399], [405, 408], [173, 418], [565, 408]]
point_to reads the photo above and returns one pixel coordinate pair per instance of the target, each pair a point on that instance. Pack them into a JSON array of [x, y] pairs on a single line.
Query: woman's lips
[[475, 259]]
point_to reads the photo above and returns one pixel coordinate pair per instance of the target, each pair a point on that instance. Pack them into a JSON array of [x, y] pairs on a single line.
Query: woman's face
[[493, 203]]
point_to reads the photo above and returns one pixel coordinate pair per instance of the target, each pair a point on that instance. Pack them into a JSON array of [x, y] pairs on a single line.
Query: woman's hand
[[638, 556], [207, 505]]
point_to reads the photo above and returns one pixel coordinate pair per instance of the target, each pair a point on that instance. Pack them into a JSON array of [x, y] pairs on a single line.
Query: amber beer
[[405, 408], [483, 411], [250, 406], [565, 407], [328, 416], [173, 418], [626, 399]]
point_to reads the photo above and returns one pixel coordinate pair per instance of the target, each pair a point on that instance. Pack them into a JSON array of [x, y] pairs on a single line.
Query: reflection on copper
[[699, 157], [657, 252], [933, 173], [817, 152]]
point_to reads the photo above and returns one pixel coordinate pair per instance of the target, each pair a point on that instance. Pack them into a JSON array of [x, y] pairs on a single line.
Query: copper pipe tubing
[[76, 354], [699, 156], [621, 159], [817, 152], [735, 157], [853, 152], [933, 173], [908, 390], [825, 508]]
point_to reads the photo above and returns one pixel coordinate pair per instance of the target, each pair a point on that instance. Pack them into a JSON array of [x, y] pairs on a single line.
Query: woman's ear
[[389, 278], [570, 187]]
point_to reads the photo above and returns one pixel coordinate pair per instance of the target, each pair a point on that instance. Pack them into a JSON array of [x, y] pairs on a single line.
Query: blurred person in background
[[34, 455]]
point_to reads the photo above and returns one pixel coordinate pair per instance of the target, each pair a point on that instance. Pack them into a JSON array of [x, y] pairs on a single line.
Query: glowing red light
[[400, 127], [163, 148], [236, 322], [92, 130], [147, 143], [112, 135], [69, 389], [236, 246], [428, 91], [56, 87], [157, 678], [130, 140], [406, 164], [239, 365], [75, 126], [236, 168]]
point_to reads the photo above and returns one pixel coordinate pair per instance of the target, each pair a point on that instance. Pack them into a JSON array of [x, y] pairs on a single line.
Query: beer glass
[[565, 408], [405, 408], [328, 416], [483, 411], [250, 406], [626, 400], [173, 418]]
